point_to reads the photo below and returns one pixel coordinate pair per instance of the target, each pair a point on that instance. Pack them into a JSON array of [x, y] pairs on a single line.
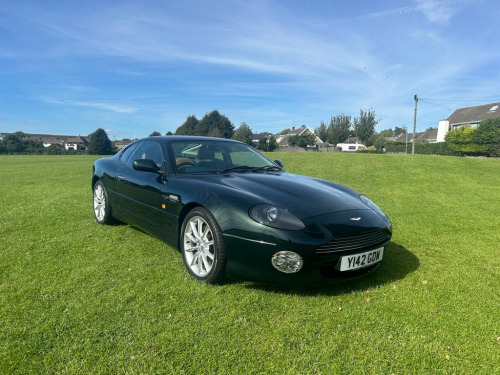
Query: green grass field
[[81, 298]]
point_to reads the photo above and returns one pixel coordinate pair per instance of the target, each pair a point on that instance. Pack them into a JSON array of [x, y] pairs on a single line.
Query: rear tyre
[[102, 208], [202, 247]]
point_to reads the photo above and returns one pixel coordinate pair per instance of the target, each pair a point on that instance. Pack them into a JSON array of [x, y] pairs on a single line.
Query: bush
[[440, 148], [380, 143], [484, 140], [494, 150]]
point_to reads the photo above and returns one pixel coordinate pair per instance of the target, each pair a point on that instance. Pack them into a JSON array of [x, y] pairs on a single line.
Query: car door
[[140, 191]]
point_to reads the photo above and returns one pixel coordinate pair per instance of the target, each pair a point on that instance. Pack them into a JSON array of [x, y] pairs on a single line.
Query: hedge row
[[440, 148]]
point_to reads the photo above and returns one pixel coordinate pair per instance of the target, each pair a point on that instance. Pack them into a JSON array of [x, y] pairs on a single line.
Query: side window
[[147, 150], [127, 152]]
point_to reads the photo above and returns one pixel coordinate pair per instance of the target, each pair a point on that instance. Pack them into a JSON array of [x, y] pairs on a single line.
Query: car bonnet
[[303, 196]]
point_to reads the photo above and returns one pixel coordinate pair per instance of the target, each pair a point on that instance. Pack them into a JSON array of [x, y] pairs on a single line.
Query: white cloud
[[105, 106], [436, 11], [98, 105]]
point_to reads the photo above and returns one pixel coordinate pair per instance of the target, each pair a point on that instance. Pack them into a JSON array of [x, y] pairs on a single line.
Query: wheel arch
[[94, 180]]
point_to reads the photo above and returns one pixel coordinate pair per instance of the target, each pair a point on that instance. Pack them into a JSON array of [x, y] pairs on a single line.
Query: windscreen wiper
[[245, 168], [237, 168], [267, 168]]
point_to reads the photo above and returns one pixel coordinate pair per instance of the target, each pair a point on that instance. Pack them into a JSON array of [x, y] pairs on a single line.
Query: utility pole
[[406, 132], [414, 125]]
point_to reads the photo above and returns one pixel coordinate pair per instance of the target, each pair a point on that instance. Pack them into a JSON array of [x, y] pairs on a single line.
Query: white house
[[468, 117]]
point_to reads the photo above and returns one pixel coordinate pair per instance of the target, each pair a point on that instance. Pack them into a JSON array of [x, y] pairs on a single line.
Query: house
[[429, 136], [256, 138], [282, 139], [121, 143], [76, 143], [468, 117], [67, 142]]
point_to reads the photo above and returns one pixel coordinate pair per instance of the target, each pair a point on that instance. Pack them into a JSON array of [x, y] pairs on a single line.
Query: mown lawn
[[80, 298]]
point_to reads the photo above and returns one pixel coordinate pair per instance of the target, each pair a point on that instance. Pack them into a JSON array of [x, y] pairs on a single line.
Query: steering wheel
[[184, 162]]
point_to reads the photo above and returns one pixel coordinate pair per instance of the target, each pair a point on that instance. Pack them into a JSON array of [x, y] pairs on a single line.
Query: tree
[[489, 133], [12, 144], [364, 126], [386, 133], [262, 144], [380, 144], [155, 134], [53, 150], [267, 143], [490, 127], [99, 143], [398, 131], [272, 144], [339, 129], [243, 134], [33, 147], [214, 132], [189, 126], [302, 140], [215, 124], [322, 131]]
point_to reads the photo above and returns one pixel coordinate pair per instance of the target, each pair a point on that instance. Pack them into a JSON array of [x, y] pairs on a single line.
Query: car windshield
[[214, 156]]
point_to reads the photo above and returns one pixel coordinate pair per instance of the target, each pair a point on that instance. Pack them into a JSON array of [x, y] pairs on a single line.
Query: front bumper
[[321, 245]]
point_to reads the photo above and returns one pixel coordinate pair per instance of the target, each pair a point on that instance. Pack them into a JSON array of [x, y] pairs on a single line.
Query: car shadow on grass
[[398, 263]]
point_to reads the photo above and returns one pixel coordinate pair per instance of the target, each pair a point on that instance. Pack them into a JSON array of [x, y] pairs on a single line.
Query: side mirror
[[279, 162], [145, 165]]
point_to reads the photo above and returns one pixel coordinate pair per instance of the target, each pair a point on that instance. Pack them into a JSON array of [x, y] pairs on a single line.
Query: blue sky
[[133, 67]]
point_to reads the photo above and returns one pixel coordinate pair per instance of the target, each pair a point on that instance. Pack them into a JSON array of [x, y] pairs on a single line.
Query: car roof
[[191, 138]]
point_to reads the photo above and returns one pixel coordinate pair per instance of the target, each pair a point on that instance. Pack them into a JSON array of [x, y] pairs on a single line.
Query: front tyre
[[102, 208], [202, 247]]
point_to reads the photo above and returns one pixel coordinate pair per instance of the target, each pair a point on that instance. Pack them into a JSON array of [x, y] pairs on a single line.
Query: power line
[[441, 102], [461, 100], [436, 104]]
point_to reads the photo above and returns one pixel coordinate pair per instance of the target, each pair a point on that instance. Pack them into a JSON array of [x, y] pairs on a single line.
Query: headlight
[[287, 261], [275, 217], [372, 205]]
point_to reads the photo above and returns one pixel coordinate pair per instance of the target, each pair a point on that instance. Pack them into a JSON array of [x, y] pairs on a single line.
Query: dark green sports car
[[231, 210]]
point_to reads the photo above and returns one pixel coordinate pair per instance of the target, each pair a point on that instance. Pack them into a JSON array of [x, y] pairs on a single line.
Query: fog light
[[287, 261]]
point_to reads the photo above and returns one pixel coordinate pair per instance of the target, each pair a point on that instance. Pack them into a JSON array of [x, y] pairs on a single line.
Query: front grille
[[362, 241]]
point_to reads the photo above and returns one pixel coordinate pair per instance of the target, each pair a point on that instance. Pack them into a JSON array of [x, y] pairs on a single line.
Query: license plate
[[353, 262]]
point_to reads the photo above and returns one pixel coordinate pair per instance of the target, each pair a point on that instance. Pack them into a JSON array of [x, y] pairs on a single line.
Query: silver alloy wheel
[[99, 203], [199, 246]]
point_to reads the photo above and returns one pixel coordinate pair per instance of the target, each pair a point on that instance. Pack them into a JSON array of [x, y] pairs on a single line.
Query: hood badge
[[355, 218]]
